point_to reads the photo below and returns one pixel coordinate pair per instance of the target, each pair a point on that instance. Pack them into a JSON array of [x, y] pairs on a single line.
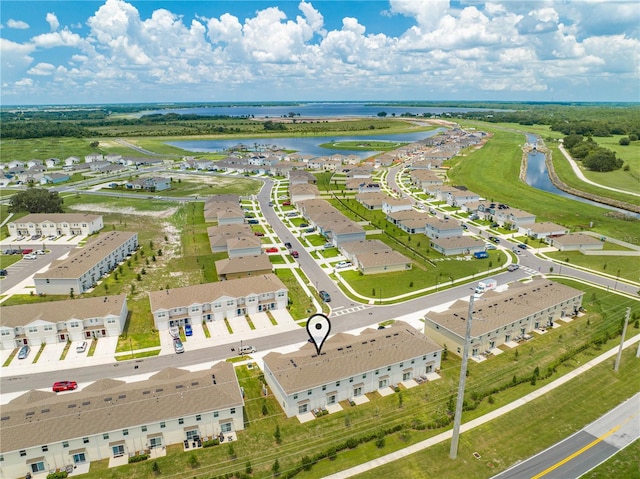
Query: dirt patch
[[125, 211]]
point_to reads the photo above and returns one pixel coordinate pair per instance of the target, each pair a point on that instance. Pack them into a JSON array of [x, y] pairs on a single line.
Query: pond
[[304, 146]]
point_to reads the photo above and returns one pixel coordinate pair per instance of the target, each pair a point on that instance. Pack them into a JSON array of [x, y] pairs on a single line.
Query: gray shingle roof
[[345, 355]]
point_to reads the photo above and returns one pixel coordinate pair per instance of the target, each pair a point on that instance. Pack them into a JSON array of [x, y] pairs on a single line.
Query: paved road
[[25, 268], [581, 452]]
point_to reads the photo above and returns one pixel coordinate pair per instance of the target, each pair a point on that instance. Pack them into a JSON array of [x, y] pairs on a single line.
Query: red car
[[64, 386], [257, 233], [272, 250], [286, 203]]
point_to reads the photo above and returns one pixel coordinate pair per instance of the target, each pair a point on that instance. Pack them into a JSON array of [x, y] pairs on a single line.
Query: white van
[[247, 350]]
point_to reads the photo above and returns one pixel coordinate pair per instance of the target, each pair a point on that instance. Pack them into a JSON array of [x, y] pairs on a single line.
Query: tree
[[571, 141], [36, 200], [602, 159], [276, 468], [277, 435], [624, 141]]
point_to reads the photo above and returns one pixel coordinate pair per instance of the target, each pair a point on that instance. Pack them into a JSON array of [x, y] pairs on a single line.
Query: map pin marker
[[318, 327]]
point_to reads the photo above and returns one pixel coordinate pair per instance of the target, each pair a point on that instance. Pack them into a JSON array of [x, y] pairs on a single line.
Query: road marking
[[577, 453]]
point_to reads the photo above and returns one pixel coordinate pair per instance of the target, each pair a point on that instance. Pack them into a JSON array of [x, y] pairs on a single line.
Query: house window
[[65, 443], [225, 427], [79, 458], [215, 413], [181, 421], [105, 436], [155, 442], [295, 396], [125, 432], [163, 425], [364, 376], [37, 466], [233, 410], [198, 417], [45, 448], [324, 388], [337, 383], [303, 408], [144, 428], [406, 376], [331, 399], [85, 440], [118, 450], [23, 453]]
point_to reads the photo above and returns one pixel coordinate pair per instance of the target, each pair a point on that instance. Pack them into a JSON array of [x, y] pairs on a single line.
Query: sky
[[131, 51]]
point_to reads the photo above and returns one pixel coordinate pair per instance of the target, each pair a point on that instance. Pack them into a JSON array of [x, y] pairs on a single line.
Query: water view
[[304, 146]]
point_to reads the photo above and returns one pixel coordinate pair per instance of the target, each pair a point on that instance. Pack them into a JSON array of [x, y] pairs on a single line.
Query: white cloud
[[53, 22], [461, 47], [42, 69], [17, 24]]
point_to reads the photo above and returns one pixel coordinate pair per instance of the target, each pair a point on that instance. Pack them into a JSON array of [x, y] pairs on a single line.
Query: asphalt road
[[581, 452], [25, 268]]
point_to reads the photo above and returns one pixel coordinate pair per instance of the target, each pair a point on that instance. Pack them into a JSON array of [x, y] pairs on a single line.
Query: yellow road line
[[577, 453]]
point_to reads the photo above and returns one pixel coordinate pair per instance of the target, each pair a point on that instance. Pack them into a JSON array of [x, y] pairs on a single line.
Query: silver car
[[24, 352]]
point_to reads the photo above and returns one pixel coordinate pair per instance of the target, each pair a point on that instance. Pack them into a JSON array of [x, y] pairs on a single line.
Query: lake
[[305, 146]]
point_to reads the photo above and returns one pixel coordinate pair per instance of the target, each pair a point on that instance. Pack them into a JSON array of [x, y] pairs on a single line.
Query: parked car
[[59, 386], [24, 352], [494, 239], [288, 245], [324, 296], [82, 347], [304, 225], [36, 237], [187, 330], [295, 254], [39, 251], [247, 350], [513, 267], [343, 264], [310, 230], [253, 222], [270, 203], [3, 272], [27, 251], [522, 246], [51, 237], [258, 233], [30, 256], [271, 250], [490, 246], [178, 346], [327, 246], [286, 203]]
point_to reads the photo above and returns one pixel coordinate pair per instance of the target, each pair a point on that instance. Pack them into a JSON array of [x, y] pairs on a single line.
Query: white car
[[30, 256], [343, 264]]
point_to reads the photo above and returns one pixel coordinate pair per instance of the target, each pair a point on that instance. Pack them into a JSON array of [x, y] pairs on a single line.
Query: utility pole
[[453, 452], [624, 332]]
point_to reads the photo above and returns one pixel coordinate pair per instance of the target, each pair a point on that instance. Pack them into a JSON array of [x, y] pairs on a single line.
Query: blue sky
[[117, 51]]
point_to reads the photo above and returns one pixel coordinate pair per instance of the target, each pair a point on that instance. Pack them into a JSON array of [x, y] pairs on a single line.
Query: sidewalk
[[394, 456]]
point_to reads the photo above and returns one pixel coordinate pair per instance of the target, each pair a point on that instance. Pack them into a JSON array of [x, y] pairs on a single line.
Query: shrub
[[211, 442], [138, 458], [57, 475]]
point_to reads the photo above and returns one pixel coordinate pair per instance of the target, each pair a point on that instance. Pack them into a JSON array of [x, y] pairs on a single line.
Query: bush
[[138, 458], [211, 442], [352, 443], [57, 475], [380, 442]]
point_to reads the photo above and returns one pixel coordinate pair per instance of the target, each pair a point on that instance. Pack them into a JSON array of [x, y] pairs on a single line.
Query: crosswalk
[[341, 310], [528, 270]]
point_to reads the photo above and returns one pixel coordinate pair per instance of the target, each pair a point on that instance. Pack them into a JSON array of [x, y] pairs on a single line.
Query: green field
[[493, 172]]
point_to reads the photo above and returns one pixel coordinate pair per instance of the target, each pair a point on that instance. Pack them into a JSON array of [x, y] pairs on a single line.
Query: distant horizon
[[65, 52], [417, 103]]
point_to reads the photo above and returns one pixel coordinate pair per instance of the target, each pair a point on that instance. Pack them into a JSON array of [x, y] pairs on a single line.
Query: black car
[[522, 246], [325, 296], [287, 245], [3, 272], [494, 239]]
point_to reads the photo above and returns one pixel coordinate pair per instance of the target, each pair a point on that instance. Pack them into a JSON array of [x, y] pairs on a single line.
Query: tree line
[[593, 156]]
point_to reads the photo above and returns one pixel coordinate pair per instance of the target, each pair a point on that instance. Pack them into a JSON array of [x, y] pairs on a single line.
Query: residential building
[[544, 230], [62, 321], [392, 205], [243, 266], [577, 242], [221, 236], [85, 266], [113, 420], [382, 262], [440, 228], [351, 249], [503, 317], [303, 191], [156, 183], [371, 200], [349, 366], [46, 224], [217, 301], [455, 245]]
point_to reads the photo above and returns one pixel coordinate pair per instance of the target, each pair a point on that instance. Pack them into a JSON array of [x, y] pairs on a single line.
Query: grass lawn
[[7, 260], [188, 185], [614, 179], [300, 305], [624, 266], [493, 172], [623, 464]]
